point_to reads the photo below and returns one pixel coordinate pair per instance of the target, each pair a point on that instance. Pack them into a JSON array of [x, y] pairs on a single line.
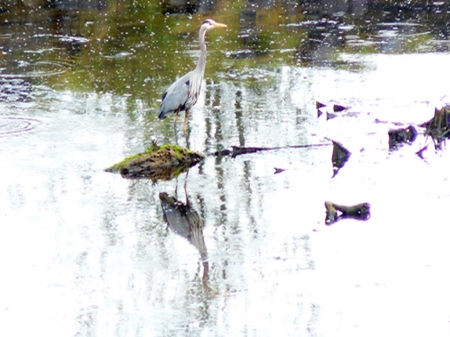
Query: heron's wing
[[176, 96]]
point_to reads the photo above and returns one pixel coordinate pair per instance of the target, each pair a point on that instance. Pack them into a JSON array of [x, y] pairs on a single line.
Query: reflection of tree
[[180, 6], [186, 222], [381, 26], [321, 43]]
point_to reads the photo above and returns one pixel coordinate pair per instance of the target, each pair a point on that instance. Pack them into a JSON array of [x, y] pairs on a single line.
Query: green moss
[[157, 157], [116, 167]]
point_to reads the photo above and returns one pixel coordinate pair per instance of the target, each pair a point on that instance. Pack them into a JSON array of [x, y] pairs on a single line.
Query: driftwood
[[339, 108], [336, 108], [339, 157], [335, 212], [238, 150], [398, 137], [439, 126]]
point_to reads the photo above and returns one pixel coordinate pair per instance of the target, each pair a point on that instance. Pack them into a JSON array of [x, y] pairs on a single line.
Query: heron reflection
[[186, 222]]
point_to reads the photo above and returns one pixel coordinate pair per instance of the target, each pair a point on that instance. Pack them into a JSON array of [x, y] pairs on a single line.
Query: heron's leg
[[175, 122], [176, 189], [185, 190], [175, 127], [185, 120]]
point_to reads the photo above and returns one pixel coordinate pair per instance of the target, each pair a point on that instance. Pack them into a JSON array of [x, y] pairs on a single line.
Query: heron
[[184, 92]]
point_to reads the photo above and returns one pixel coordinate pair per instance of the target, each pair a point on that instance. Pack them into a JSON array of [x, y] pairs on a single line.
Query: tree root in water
[[335, 212]]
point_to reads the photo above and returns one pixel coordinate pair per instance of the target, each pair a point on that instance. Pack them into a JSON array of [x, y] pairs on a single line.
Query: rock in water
[[158, 162]]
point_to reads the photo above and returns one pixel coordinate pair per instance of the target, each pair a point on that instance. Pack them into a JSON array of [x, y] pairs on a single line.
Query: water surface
[[88, 253]]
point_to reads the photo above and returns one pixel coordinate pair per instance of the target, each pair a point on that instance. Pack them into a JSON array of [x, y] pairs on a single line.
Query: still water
[[84, 252]]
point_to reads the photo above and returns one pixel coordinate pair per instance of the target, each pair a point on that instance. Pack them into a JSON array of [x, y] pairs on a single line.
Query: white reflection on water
[[84, 252]]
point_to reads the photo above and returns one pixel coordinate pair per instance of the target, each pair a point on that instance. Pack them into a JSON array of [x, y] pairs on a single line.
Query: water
[[88, 253]]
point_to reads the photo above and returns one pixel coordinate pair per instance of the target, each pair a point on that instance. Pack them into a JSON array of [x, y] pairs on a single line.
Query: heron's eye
[[207, 22]]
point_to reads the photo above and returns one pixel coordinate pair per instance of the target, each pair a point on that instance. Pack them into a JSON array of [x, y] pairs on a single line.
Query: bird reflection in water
[[186, 222]]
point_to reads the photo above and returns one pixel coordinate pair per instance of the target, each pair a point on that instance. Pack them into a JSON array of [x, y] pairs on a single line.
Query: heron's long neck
[[202, 59]]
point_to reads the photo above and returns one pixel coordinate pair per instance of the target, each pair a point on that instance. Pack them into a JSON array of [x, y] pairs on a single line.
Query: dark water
[[84, 252]]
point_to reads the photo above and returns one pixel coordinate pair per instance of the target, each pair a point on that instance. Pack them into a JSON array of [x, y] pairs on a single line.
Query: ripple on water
[[12, 125], [63, 38], [33, 69], [400, 30], [25, 55]]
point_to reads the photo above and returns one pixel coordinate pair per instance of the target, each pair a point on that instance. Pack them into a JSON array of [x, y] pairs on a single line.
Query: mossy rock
[[158, 162]]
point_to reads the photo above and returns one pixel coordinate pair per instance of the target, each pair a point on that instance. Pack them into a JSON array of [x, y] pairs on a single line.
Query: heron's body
[[178, 96], [184, 92]]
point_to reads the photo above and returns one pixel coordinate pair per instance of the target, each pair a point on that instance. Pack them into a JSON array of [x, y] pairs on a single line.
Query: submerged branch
[[238, 150]]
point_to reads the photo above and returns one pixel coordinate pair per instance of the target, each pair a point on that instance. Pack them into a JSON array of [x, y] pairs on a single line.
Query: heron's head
[[210, 24]]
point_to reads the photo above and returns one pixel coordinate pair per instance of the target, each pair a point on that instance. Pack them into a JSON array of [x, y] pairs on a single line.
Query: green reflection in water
[[136, 48]]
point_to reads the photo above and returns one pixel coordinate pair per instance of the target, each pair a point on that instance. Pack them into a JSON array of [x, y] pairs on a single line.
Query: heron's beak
[[219, 25]]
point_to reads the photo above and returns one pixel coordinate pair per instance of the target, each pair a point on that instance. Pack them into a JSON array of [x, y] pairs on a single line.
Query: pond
[[85, 252]]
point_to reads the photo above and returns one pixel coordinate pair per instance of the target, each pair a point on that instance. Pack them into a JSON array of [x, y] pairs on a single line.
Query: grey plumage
[[178, 96], [184, 92]]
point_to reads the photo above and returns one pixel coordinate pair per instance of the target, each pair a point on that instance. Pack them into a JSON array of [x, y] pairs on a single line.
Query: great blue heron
[[184, 92]]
